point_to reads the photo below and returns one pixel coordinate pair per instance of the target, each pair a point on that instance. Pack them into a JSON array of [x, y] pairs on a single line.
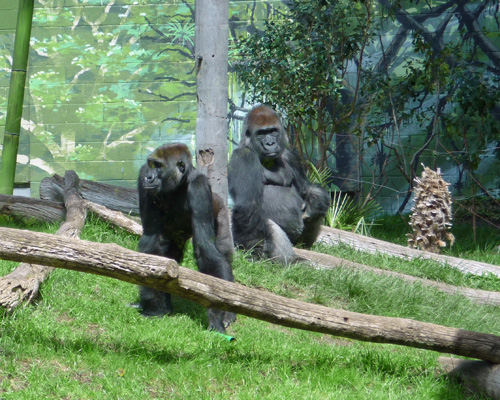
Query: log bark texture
[[113, 197], [116, 262], [115, 217], [22, 285], [26, 207], [332, 236], [481, 377], [325, 261]]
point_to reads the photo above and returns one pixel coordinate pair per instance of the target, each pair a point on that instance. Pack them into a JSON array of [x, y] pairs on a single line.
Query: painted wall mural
[[110, 80]]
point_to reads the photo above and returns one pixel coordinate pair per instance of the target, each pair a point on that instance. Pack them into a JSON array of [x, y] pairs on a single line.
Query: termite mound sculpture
[[431, 215]]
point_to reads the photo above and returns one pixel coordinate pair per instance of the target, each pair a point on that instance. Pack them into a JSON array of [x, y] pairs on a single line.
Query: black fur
[[275, 206], [176, 203]]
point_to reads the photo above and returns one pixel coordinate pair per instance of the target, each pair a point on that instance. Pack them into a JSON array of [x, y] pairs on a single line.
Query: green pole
[[16, 96]]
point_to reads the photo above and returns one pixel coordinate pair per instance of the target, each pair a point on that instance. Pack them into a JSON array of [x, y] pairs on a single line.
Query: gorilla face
[[166, 168], [264, 133], [266, 142]]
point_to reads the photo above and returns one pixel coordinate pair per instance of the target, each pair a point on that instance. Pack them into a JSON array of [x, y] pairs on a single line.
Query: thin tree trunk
[[22, 285], [158, 272], [211, 48], [16, 96]]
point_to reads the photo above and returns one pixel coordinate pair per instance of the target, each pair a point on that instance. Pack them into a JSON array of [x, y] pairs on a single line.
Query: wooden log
[[113, 197], [481, 377], [332, 236], [115, 217], [325, 261], [116, 262], [22, 285], [26, 207]]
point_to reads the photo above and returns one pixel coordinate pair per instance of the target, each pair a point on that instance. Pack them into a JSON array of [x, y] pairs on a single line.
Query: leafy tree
[[306, 63]]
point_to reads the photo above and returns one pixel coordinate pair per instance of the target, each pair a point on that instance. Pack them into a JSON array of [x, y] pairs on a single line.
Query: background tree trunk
[[211, 51]]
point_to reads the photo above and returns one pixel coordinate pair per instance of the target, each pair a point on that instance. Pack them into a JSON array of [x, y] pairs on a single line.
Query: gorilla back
[[176, 203], [273, 199]]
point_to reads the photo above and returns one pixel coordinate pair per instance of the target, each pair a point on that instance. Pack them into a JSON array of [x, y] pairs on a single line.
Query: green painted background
[[108, 81]]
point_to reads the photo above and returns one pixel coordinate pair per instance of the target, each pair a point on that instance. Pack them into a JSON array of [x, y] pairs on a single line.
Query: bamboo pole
[[16, 96]]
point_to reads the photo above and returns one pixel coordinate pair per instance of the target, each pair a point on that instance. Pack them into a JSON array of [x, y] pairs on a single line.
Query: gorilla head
[[166, 168], [264, 133]]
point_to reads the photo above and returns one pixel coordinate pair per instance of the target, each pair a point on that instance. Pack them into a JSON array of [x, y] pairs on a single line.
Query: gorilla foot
[[229, 318], [219, 320], [154, 303], [279, 249], [155, 312]]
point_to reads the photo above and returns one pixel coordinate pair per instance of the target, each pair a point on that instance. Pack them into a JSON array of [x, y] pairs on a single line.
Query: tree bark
[[211, 48], [325, 261], [332, 236], [113, 261], [23, 284], [113, 197], [26, 208], [115, 217]]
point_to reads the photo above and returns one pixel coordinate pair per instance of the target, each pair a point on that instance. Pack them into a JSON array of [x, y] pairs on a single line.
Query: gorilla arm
[[316, 200], [208, 258]]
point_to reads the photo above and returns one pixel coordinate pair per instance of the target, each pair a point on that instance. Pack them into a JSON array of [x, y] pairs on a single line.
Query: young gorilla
[[176, 203], [275, 205]]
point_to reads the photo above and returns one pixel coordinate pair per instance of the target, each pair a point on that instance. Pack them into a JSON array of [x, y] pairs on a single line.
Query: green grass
[[81, 340]]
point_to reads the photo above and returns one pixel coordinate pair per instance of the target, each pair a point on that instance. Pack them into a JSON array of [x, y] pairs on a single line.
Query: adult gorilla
[[176, 203], [275, 205]]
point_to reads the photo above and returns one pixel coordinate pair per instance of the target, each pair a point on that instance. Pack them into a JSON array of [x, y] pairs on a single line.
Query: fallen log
[[325, 261], [113, 261], [481, 377], [26, 207], [22, 285], [332, 236], [113, 197]]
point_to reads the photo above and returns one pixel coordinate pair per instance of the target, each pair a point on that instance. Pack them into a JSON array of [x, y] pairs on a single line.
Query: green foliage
[[299, 62], [345, 213]]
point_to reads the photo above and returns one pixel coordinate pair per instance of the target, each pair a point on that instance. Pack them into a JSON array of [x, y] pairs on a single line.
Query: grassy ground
[[82, 340]]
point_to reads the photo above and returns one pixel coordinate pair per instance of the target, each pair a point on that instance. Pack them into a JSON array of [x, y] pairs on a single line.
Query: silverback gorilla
[[176, 203], [275, 205]]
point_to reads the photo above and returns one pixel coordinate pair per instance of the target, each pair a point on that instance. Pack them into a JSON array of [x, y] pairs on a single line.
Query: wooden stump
[[22, 285]]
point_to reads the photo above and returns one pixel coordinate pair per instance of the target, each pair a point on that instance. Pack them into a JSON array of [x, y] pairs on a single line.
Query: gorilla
[[275, 206], [176, 203]]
